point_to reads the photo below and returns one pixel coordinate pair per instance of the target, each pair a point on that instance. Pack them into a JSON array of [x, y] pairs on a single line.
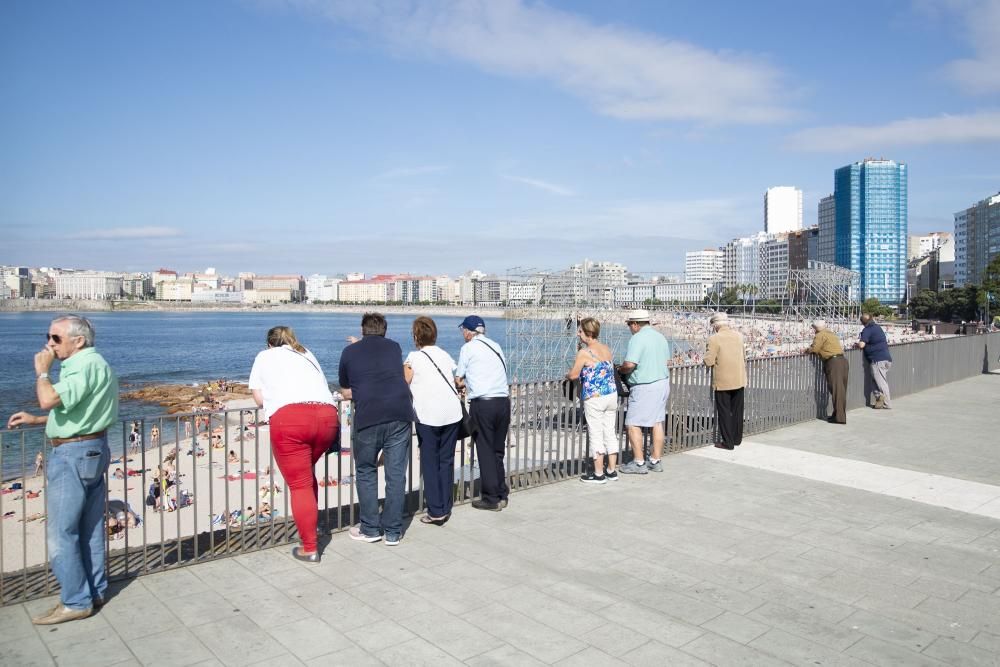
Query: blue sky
[[441, 136]]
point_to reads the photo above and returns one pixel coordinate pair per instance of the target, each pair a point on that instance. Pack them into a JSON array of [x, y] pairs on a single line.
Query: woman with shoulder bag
[[595, 368], [287, 381], [430, 372]]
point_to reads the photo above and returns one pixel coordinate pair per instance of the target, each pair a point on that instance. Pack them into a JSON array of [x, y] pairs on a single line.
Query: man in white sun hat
[[649, 379]]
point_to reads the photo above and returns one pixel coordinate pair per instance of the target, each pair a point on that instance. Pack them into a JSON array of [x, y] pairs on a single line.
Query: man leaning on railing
[[82, 405]]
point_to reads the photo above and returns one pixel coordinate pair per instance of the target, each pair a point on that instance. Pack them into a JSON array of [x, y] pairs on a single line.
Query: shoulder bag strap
[[440, 372], [494, 352]]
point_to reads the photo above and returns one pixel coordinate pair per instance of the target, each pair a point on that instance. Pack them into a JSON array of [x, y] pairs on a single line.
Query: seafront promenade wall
[[230, 499]]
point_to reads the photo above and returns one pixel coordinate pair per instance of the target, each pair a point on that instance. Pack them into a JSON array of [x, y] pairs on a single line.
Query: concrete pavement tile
[[85, 651], [646, 623], [850, 588], [939, 587], [938, 625], [127, 616], [354, 656], [266, 604], [799, 651], [172, 647], [307, 638], [238, 641], [413, 576], [205, 607], [390, 600], [678, 605], [213, 662], [886, 572], [16, 623], [429, 555], [173, 583], [887, 654], [346, 574], [284, 660], [727, 598], [418, 653], [590, 656], [452, 634], [502, 657], [964, 615], [718, 650], [736, 627], [806, 626], [983, 601], [549, 610], [960, 653], [227, 575], [527, 634], [655, 654], [333, 603], [294, 578], [267, 561], [988, 641], [581, 594], [25, 651], [804, 601], [377, 636], [456, 598], [876, 625]]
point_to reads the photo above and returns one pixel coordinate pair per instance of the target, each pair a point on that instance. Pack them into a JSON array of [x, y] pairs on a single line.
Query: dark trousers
[[836, 369], [729, 412], [492, 418], [437, 465]]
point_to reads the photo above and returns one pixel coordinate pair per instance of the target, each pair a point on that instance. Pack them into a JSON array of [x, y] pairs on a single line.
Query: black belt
[[489, 398]]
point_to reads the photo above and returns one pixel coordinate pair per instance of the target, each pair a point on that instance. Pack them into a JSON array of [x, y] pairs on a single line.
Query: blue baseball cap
[[472, 322]]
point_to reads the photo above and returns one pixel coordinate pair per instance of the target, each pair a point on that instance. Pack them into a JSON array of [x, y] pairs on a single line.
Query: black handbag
[[467, 427], [620, 383]]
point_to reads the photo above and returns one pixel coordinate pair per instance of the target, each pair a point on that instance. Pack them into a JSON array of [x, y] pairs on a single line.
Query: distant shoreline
[[93, 306]]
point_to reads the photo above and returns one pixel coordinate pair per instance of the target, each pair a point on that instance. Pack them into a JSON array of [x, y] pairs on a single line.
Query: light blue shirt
[[485, 373]]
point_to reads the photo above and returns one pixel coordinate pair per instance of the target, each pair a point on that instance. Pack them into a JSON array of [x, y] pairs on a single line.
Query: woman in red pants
[[289, 384]]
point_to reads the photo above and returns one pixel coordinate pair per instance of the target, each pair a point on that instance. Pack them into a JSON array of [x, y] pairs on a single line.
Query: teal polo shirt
[[649, 351], [88, 391]]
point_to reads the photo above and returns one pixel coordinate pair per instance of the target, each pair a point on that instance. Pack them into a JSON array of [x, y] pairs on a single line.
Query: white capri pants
[[601, 412]]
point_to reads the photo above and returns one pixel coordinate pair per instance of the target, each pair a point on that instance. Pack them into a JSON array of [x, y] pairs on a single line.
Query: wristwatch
[[42, 376]]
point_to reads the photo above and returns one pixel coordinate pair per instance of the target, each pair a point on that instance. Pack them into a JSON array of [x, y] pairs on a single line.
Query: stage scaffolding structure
[[542, 338]]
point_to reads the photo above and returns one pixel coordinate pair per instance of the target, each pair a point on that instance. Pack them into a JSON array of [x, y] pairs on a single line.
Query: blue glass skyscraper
[[871, 226]]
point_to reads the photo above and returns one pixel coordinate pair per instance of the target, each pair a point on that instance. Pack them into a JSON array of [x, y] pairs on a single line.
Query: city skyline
[[444, 137]]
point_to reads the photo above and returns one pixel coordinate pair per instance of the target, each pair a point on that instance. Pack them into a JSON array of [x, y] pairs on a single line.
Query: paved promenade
[[874, 543]]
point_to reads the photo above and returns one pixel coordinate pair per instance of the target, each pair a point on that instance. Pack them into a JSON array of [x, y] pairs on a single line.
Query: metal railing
[[226, 497]]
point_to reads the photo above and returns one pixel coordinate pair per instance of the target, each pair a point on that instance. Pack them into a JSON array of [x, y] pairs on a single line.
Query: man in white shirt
[[482, 370]]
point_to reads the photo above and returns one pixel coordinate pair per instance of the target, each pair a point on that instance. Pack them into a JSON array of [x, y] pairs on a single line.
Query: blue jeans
[[393, 438], [75, 503]]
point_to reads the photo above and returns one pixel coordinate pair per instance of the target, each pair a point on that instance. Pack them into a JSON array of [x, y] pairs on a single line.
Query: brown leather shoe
[[62, 614]]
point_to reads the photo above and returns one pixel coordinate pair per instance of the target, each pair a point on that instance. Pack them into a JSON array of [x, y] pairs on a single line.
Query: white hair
[[78, 326]]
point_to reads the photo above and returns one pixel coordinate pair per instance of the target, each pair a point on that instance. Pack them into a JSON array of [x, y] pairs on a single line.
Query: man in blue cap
[[482, 370]]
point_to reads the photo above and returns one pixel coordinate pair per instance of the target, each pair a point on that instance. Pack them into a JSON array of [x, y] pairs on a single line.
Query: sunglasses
[[55, 338]]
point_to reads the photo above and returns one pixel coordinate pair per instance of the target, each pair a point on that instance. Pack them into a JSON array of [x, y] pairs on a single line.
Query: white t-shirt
[[434, 402], [285, 376]]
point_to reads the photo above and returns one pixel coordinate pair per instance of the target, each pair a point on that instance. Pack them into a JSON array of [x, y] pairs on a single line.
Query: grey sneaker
[[655, 467], [633, 468]]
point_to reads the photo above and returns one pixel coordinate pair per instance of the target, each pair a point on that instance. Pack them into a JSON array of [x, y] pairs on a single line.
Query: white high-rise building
[[827, 219], [923, 245], [782, 210], [96, 285], [703, 266]]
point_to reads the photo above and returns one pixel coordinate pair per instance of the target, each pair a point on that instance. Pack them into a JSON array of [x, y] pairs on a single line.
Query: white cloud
[[405, 172], [622, 72], [945, 129], [542, 185], [979, 74], [126, 233]]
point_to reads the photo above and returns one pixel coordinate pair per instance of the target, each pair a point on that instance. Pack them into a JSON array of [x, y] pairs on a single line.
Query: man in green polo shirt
[[82, 405]]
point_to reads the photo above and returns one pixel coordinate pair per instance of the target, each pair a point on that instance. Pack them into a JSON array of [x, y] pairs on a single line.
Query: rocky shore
[[188, 398]]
